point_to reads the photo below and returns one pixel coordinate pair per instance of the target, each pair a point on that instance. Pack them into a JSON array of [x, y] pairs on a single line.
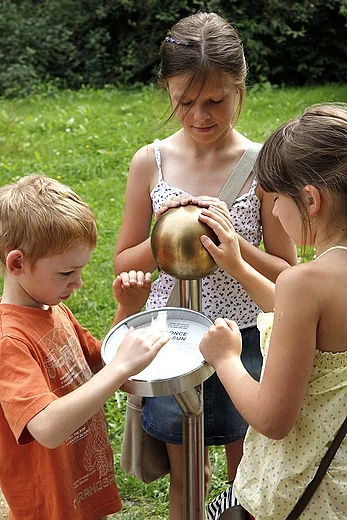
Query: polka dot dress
[[222, 296], [273, 474]]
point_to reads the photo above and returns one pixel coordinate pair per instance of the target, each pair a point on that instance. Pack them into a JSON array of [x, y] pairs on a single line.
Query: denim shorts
[[162, 416]]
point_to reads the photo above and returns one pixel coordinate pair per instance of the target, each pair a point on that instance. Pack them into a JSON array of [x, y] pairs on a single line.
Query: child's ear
[[14, 262], [313, 199]]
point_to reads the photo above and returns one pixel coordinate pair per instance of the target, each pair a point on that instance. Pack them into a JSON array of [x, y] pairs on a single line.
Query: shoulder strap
[[240, 174], [229, 193], [322, 469]]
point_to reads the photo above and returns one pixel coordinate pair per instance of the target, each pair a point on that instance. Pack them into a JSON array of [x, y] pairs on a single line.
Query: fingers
[[209, 245], [151, 334], [175, 202], [159, 340], [220, 322], [160, 212], [139, 347], [154, 339], [217, 220], [213, 203], [233, 326], [224, 324], [133, 279], [203, 201]]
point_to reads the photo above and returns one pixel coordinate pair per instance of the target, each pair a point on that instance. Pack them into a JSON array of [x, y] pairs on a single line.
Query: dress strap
[[331, 249], [156, 144]]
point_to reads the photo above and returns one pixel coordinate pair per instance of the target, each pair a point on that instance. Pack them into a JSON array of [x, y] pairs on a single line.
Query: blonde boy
[[56, 461]]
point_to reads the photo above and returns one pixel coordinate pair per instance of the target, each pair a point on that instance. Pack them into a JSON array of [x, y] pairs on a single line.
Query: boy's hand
[[138, 348], [131, 290]]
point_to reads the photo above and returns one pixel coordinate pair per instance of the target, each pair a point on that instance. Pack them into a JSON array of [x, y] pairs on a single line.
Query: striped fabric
[[223, 501]]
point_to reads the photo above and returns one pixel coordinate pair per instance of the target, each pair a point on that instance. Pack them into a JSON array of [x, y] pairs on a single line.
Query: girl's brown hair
[[199, 44], [308, 150]]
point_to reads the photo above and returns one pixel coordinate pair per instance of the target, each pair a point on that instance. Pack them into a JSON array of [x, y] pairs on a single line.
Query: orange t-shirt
[[43, 356]]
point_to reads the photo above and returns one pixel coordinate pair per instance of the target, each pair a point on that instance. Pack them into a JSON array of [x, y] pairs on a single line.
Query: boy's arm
[[131, 290], [65, 415], [61, 418]]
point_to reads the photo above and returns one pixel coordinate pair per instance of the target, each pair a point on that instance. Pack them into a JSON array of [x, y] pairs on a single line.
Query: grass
[[86, 139]]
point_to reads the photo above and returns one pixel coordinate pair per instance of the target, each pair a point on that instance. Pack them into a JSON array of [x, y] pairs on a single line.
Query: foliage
[[297, 43], [86, 140], [50, 44]]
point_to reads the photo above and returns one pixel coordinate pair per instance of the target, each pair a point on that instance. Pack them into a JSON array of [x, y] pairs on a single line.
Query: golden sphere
[[176, 245]]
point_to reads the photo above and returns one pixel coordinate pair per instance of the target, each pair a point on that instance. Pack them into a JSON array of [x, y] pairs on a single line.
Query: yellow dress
[[273, 474]]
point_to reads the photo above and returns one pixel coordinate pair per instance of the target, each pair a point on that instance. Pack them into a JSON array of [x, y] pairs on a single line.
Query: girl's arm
[[228, 256], [131, 290], [133, 249], [280, 251], [271, 406]]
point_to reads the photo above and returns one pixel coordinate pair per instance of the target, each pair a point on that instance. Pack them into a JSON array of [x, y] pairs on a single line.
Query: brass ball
[[176, 246]]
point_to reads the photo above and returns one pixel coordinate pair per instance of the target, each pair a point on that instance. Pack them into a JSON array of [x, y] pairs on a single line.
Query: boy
[[56, 461]]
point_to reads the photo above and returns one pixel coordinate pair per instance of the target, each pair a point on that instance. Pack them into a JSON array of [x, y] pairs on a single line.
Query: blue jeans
[[162, 416]]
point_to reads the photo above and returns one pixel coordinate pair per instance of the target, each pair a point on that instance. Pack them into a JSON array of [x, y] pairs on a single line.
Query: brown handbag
[[234, 513], [142, 456]]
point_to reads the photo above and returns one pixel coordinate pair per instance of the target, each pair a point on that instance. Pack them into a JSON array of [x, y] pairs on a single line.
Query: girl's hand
[[227, 254], [175, 202], [221, 342], [203, 201], [138, 348], [131, 290]]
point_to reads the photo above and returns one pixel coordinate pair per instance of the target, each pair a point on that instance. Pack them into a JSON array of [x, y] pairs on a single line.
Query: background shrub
[[70, 43]]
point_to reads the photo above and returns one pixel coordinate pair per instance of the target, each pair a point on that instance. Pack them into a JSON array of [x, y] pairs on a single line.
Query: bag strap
[[229, 194], [322, 469], [240, 174]]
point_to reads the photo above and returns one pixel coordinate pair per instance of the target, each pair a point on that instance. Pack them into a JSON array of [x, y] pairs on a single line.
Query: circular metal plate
[[179, 365]]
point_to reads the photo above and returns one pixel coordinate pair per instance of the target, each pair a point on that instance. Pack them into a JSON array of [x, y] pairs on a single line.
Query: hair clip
[[177, 42]]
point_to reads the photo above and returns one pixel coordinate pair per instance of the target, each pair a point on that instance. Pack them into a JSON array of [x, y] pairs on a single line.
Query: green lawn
[[86, 139]]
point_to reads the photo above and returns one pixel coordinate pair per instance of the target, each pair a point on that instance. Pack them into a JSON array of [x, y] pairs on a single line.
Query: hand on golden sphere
[[176, 245]]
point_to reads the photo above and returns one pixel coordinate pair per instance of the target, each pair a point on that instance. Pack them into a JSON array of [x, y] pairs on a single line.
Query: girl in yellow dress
[[300, 402]]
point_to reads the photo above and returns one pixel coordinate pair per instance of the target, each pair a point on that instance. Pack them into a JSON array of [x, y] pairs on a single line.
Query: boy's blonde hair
[[42, 217]]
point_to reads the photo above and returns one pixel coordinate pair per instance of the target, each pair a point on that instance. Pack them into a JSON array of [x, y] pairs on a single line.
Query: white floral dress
[[221, 294]]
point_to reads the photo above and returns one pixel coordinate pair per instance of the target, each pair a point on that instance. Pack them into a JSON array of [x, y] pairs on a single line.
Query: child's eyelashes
[[69, 273], [216, 102], [210, 101]]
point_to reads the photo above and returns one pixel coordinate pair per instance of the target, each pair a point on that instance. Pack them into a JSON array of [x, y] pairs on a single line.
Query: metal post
[[190, 294], [191, 403]]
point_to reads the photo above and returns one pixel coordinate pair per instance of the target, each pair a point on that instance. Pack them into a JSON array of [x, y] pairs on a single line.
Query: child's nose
[[201, 113], [77, 283]]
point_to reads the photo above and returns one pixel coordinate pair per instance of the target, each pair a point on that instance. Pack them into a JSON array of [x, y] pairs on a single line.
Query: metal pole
[[191, 403], [190, 294]]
